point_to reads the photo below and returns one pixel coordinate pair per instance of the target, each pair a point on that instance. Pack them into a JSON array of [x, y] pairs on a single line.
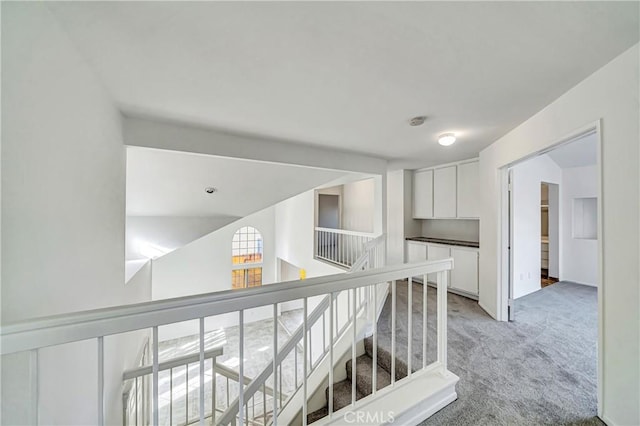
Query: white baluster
[[241, 370], [155, 375], [331, 355], [442, 318], [393, 332], [424, 321], [304, 368], [275, 366], [186, 394], [353, 350], [136, 401], [375, 340], [214, 384], [101, 380], [409, 324], [201, 402]]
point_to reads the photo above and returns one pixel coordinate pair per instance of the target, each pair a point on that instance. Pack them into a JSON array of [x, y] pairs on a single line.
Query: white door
[[464, 275], [444, 192], [423, 194], [468, 190]]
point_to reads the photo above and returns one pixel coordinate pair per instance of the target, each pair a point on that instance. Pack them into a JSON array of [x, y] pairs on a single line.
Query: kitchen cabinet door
[[416, 252], [444, 192], [435, 252], [468, 194], [423, 194], [464, 275]]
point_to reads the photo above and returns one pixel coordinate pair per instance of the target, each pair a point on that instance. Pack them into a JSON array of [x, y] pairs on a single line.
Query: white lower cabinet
[[416, 252], [463, 278], [437, 252], [464, 275]]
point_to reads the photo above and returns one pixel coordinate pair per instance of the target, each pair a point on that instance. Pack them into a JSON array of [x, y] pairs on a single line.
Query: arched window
[[246, 255]]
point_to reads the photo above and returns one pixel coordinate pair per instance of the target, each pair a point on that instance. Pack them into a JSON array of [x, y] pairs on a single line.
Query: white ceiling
[[579, 153], [349, 75], [167, 183]]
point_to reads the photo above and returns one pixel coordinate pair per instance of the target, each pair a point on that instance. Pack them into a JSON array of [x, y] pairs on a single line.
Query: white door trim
[[503, 238]]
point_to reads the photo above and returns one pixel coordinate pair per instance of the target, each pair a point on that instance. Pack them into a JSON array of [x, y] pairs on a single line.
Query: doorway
[[550, 234], [552, 204], [579, 234], [329, 211]]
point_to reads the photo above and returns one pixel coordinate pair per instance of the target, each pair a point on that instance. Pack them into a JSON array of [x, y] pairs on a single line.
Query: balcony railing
[[352, 300], [340, 246]]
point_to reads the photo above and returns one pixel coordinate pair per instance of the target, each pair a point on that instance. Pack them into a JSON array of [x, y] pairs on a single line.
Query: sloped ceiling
[[168, 183]]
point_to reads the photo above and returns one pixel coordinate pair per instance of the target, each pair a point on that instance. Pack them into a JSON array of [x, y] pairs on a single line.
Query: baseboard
[[409, 401]]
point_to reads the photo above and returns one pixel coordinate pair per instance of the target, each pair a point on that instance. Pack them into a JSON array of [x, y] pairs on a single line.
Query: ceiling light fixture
[[417, 121], [446, 139], [210, 190]]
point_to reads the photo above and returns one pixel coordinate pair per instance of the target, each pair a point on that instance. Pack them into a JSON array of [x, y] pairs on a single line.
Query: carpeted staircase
[[364, 379], [364, 363]]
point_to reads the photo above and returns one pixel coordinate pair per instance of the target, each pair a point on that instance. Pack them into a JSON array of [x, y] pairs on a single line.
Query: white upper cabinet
[[447, 192], [444, 192], [469, 190], [423, 194]]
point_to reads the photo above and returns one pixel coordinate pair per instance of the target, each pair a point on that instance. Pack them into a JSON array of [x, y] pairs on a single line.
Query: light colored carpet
[[538, 370]]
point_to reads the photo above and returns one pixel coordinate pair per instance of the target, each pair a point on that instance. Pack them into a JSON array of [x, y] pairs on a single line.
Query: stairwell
[[342, 391]]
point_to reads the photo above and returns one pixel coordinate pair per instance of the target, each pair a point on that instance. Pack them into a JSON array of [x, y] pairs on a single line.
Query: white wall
[[168, 232], [609, 95], [204, 266], [294, 227], [358, 205], [527, 179], [63, 188], [580, 263], [400, 222]]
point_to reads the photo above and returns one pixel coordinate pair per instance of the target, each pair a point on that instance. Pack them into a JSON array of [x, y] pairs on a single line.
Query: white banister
[[349, 320], [340, 246], [346, 232], [66, 328]]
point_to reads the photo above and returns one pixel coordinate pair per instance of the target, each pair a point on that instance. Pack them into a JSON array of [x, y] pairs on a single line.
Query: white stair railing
[[372, 254], [135, 378], [340, 246], [32, 336]]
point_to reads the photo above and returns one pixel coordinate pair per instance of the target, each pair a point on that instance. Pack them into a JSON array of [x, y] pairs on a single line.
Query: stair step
[[317, 415], [342, 394], [341, 399], [364, 376], [384, 359]]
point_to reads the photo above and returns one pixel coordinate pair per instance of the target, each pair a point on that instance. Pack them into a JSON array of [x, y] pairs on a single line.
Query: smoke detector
[[417, 121], [210, 190]]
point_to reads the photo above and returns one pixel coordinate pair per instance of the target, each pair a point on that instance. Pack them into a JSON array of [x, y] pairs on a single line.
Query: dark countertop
[[473, 244]]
